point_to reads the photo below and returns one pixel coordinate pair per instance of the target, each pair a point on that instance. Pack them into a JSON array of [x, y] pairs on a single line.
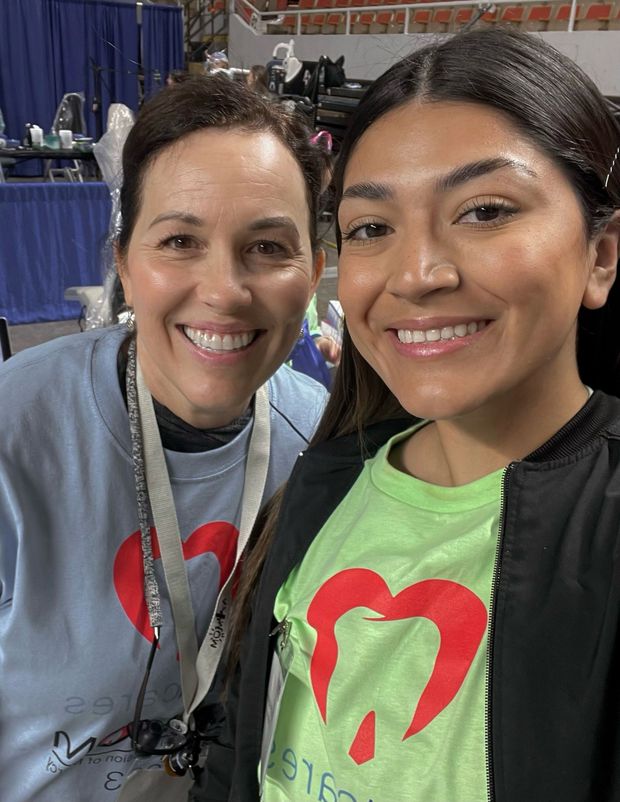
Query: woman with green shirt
[[437, 616]]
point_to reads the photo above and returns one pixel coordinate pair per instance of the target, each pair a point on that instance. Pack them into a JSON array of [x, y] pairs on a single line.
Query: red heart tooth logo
[[363, 746], [218, 537], [460, 617]]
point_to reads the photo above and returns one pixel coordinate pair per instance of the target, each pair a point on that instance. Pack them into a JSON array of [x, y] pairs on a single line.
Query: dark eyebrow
[[369, 191], [182, 217], [273, 222], [467, 172]]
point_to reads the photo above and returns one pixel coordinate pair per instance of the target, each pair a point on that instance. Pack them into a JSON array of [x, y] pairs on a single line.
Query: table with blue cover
[[52, 236]]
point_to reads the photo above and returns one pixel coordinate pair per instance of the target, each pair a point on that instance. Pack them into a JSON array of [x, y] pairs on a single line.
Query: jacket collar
[[600, 416]]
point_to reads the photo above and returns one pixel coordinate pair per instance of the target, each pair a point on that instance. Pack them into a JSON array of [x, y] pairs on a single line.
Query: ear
[[339, 61], [123, 274], [603, 273], [319, 266]]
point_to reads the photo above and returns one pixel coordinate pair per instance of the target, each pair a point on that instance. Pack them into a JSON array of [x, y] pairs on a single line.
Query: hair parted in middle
[[555, 105]]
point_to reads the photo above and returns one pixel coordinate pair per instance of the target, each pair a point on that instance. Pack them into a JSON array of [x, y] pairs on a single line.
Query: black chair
[[5, 342]]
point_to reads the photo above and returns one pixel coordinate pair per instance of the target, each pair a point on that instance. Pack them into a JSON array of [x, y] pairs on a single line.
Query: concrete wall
[[367, 56]]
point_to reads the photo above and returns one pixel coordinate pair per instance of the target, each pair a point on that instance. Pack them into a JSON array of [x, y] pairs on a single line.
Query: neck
[[462, 449]]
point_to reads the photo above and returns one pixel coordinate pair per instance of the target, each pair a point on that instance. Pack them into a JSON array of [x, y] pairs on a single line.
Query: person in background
[[329, 348], [113, 438], [438, 611], [257, 79], [176, 77]]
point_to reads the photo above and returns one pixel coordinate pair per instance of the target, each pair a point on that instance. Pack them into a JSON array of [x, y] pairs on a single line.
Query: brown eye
[[179, 243], [485, 213], [368, 231], [268, 248]]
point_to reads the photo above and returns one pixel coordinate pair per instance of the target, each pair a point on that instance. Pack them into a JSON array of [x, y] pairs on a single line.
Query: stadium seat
[[537, 18], [560, 17], [360, 23], [335, 23], [594, 17], [397, 24], [490, 17], [512, 15], [462, 17], [441, 20], [419, 20]]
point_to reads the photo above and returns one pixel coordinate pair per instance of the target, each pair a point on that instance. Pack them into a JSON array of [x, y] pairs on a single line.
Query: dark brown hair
[[199, 103], [258, 79]]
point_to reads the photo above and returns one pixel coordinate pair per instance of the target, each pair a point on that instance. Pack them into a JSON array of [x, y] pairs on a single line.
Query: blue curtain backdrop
[[52, 237], [162, 38], [50, 47]]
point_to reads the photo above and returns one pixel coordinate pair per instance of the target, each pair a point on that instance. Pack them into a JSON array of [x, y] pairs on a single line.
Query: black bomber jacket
[[553, 702]]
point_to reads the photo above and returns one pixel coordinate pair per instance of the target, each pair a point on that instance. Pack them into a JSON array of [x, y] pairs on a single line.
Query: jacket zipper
[[282, 628], [494, 583]]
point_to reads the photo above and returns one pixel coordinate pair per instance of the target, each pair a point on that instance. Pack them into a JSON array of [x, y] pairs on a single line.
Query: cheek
[[287, 296], [358, 286]]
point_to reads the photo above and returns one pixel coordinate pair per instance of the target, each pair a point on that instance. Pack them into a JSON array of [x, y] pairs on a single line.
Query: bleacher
[[307, 17]]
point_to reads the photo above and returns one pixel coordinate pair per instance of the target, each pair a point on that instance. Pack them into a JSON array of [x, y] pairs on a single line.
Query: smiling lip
[[436, 336], [223, 343]]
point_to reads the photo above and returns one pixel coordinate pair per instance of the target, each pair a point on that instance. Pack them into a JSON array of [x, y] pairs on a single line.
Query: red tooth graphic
[[218, 537], [460, 617]]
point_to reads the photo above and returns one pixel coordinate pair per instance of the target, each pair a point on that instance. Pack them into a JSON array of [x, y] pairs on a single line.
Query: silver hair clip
[[613, 162]]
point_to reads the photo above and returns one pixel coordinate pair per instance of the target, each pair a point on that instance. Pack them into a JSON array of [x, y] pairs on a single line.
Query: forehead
[[422, 140], [226, 167]]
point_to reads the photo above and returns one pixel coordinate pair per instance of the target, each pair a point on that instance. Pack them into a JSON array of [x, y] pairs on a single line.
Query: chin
[[440, 405]]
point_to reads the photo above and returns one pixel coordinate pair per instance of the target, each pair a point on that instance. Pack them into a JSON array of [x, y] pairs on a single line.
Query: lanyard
[[197, 666]]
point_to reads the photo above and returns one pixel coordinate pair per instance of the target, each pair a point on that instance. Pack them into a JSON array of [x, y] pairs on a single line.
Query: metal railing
[[271, 16]]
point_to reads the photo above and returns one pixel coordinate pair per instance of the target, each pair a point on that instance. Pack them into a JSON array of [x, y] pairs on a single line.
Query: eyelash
[[494, 204], [349, 236], [167, 242], [280, 248], [490, 204]]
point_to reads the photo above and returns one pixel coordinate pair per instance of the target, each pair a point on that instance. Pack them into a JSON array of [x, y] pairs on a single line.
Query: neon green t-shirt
[[386, 620]]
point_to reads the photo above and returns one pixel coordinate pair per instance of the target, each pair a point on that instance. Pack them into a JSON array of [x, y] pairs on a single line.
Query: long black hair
[[560, 110]]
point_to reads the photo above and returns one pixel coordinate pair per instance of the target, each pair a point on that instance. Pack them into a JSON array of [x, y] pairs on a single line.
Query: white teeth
[[216, 342], [445, 333]]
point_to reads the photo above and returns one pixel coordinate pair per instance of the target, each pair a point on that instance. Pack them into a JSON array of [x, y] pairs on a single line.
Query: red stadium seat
[[441, 20], [513, 15], [560, 17], [397, 24], [462, 16], [380, 22], [335, 23], [537, 18], [419, 20], [595, 17], [360, 22]]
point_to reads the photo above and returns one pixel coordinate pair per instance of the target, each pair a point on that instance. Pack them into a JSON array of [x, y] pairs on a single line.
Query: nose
[[223, 283], [422, 267]]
